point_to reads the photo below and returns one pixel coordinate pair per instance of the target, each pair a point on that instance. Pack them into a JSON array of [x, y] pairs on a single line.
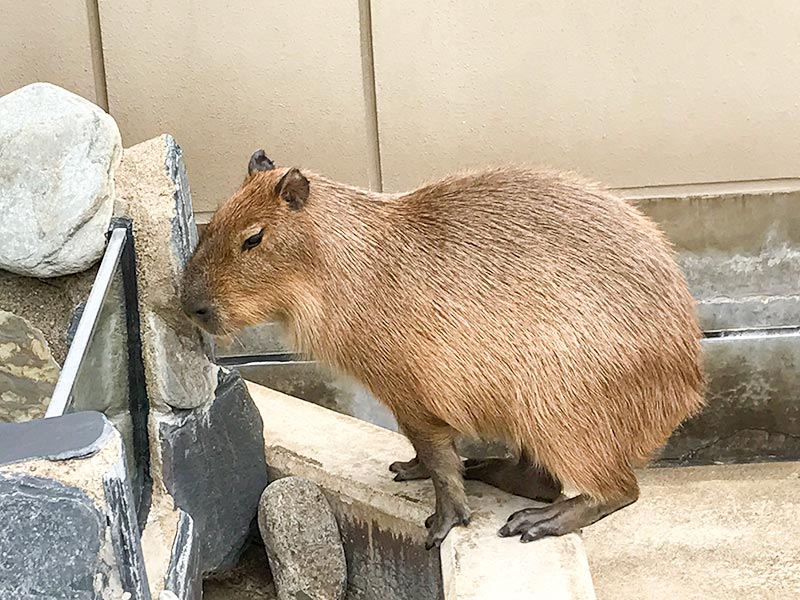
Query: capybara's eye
[[253, 241]]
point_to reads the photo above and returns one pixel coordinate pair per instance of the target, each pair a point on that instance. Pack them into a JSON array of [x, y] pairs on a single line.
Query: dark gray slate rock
[[302, 539], [51, 537], [215, 468], [183, 573], [74, 435]]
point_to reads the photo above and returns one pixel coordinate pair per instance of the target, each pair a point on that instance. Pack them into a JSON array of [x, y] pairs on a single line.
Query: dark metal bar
[[137, 386]]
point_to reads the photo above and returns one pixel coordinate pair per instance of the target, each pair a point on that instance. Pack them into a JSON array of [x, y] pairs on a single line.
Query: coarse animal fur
[[527, 306]]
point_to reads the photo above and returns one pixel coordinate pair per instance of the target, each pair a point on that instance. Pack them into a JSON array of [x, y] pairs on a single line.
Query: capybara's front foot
[[442, 521], [561, 517], [409, 470]]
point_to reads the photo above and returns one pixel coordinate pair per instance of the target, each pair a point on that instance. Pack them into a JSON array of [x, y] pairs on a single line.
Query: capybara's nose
[[196, 307], [199, 311]]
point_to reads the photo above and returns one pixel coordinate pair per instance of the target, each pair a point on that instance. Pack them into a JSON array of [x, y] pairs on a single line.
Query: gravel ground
[[250, 580], [47, 303]]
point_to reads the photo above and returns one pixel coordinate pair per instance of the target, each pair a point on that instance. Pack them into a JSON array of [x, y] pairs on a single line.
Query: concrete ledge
[[703, 532], [382, 521]]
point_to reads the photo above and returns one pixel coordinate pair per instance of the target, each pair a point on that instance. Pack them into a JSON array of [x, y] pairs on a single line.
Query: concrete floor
[[729, 532]]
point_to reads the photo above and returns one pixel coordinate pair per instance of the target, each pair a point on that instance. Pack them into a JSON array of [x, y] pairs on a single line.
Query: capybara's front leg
[[436, 452]]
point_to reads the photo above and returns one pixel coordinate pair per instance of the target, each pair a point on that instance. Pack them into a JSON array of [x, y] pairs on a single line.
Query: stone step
[[725, 531]]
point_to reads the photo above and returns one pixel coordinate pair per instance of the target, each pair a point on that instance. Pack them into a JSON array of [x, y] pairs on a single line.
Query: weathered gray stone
[[67, 524], [181, 373], [154, 193], [739, 246], [58, 154], [42, 524], [753, 410], [214, 467], [28, 373], [302, 539]]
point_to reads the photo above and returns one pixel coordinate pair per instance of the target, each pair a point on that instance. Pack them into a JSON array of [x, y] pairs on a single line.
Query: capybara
[[531, 307]]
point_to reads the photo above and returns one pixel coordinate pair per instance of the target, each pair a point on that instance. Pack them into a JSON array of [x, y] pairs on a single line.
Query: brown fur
[[531, 307]]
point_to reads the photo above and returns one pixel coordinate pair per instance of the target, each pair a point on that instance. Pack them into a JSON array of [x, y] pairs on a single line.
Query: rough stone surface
[[58, 154], [47, 303], [28, 373], [184, 376], [753, 410], [739, 246], [43, 524], [153, 192], [214, 467], [302, 539]]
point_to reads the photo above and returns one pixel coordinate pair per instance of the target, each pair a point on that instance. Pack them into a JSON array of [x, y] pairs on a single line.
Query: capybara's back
[[531, 307], [541, 309]]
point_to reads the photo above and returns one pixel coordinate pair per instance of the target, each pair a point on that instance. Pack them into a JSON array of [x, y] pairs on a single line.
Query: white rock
[[58, 154]]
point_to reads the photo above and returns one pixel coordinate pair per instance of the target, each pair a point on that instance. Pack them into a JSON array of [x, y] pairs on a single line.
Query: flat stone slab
[[696, 533], [75, 435], [382, 521]]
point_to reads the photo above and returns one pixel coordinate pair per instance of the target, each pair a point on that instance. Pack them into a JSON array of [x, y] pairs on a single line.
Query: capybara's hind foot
[[519, 477], [442, 521], [409, 470], [559, 518]]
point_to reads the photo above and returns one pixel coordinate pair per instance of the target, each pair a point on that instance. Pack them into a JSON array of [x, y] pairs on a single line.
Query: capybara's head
[[250, 252]]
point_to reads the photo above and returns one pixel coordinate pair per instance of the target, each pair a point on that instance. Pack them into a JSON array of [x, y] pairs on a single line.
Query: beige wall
[[632, 92], [46, 41], [228, 78]]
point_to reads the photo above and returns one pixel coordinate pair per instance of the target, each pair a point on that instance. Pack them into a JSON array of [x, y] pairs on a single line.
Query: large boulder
[[58, 154]]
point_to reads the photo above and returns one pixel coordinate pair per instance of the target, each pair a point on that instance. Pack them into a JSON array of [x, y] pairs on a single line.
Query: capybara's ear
[[259, 162], [293, 187]]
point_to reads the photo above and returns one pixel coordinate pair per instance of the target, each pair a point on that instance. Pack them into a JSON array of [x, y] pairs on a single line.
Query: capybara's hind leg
[[566, 516], [436, 451], [409, 470], [520, 477]]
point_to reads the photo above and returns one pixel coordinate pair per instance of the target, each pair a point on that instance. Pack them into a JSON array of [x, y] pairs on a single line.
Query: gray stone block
[[302, 540], [753, 410], [215, 469]]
